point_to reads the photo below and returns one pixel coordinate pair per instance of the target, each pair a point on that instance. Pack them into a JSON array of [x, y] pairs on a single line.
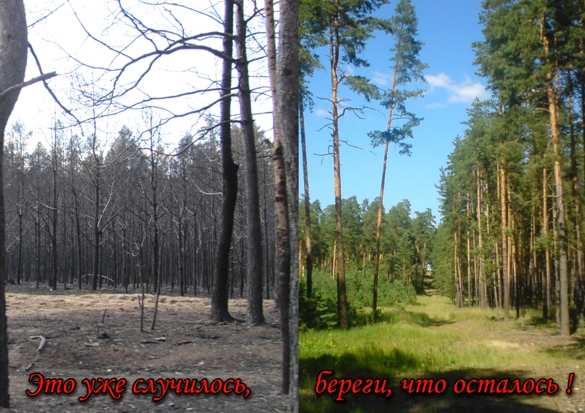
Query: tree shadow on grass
[[412, 317], [542, 321], [370, 363], [376, 364], [574, 349]]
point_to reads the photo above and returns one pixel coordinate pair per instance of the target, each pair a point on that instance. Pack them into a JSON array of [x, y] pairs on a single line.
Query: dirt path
[[527, 343], [184, 345]]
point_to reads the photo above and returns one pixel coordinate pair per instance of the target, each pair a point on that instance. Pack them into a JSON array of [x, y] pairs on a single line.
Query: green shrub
[[320, 311], [391, 293]]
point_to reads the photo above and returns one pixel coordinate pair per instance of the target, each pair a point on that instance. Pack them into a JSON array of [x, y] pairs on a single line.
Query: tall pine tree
[[406, 68]]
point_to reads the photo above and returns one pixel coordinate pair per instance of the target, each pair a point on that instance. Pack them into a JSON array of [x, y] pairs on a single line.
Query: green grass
[[429, 339]]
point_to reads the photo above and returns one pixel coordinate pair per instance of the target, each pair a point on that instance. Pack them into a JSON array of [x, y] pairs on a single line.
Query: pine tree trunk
[[253, 224], [339, 268], [556, 280], [13, 48], [580, 281], [546, 305], [37, 246], [54, 222], [79, 248], [535, 270], [288, 91], [283, 253], [560, 223], [19, 271], [479, 212], [499, 282], [96, 230], [469, 289], [181, 258], [505, 251], [307, 201], [381, 199], [4, 396], [476, 287], [379, 232], [459, 296], [282, 229], [220, 294], [578, 292]]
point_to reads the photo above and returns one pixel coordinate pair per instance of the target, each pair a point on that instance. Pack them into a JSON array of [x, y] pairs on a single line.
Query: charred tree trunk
[[282, 230], [19, 271], [96, 224], [13, 53], [220, 295], [253, 222], [54, 221]]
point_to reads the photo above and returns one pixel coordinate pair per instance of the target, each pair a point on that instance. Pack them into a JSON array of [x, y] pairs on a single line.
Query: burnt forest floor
[[91, 335]]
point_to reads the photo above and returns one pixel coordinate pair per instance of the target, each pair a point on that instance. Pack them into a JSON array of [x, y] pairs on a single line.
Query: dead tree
[[219, 298], [13, 51], [253, 223]]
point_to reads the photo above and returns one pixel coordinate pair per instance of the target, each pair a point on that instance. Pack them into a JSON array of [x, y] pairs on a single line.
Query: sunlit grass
[[398, 348], [431, 338]]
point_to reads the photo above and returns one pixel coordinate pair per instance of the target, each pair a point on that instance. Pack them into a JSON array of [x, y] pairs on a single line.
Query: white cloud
[[466, 91], [440, 80], [436, 105], [381, 78], [321, 112]]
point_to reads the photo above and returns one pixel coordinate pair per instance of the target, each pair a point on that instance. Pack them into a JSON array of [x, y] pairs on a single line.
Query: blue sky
[[448, 28]]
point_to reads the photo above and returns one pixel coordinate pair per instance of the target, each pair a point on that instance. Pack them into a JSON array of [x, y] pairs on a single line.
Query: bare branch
[[67, 111], [40, 78]]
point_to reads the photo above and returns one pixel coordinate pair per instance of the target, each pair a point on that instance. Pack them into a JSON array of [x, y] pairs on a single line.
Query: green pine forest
[[510, 232], [499, 274]]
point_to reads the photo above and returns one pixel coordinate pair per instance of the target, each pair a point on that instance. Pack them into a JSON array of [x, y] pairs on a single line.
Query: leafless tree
[[13, 50]]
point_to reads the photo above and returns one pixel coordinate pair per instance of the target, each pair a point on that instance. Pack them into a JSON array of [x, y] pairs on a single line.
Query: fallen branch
[[180, 343], [43, 342], [158, 340]]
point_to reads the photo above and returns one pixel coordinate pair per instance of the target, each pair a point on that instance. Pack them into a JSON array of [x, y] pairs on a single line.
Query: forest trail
[[184, 345]]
